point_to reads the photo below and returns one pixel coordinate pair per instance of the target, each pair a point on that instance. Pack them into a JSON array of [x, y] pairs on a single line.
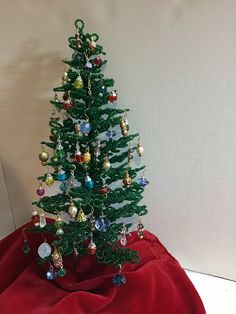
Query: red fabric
[[157, 285]]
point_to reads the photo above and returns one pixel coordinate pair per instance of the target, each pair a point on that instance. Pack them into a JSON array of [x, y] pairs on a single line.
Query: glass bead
[[50, 275], [110, 134], [143, 182], [44, 250], [119, 279], [61, 176], [61, 272], [102, 224]]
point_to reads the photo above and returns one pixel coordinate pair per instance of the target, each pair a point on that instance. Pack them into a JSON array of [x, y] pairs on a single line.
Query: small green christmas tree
[[92, 161]]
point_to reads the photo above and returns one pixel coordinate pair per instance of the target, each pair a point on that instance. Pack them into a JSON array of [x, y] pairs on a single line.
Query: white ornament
[[44, 250]]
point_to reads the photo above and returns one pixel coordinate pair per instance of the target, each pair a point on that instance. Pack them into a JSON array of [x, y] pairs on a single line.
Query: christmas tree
[[91, 160]]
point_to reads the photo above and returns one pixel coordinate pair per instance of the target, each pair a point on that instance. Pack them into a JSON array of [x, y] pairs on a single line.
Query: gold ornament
[[92, 45], [81, 217], [79, 83], [72, 209], [86, 157], [65, 78], [123, 123], [106, 164], [127, 180], [49, 179], [43, 156], [140, 150]]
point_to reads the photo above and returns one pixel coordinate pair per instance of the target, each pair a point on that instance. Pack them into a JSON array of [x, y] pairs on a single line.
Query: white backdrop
[[174, 66]]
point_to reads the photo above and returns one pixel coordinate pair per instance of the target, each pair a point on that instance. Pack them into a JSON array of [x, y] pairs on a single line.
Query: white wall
[[174, 65]]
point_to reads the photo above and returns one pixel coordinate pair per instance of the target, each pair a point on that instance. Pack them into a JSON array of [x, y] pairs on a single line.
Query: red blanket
[[157, 285]]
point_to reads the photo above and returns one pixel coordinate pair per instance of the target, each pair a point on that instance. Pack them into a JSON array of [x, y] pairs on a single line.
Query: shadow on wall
[[24, 121]]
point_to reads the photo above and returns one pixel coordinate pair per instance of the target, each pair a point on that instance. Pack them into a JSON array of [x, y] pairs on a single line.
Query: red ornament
[[104, 190], [97, 61], [65, 96], [78, 157], [113, 96], [92, 248], [68, 104]]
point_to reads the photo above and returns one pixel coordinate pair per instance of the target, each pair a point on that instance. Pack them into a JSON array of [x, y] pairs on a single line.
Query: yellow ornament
[[86, 157], [43, 156], [49, 179], [79, 83], [81, 217]]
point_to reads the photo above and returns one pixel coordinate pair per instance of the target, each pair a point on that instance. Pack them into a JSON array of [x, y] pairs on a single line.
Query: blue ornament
[[110, 134], [102, 224], [89, 182], [85, 127], [119, 279], [61, 176], [143, 181], [51, 275], [64, 186]]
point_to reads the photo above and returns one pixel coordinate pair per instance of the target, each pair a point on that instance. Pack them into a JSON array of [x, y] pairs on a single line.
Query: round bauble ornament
[[127, 180], [85, 127], [102, 224], [49, 179], [113, 96], [40, 190], [44, 250], [68, 104], [59, 232], [104, 190], [50, 275], [124, 132], [97, 61], [43, 156]]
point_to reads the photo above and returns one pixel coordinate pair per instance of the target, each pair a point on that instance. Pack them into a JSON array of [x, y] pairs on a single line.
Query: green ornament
[[26, 249], [61, 272]]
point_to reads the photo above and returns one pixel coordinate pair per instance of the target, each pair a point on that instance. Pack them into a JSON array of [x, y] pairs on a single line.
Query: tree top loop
[[94, 37], [79, 24]]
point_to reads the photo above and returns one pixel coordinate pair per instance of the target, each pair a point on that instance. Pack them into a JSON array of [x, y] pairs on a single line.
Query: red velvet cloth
[[157, 285]]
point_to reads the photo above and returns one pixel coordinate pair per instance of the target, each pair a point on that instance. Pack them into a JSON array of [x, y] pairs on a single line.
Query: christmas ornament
[[89, 182], [119, 279], [44, 250], [97, 148], [55, 98], [140, 231], [92, 248], [92, 222], [127, 180], [58, 263], [72, 209], [104, 190], [78, 155], [81, 217], [71, 181], [59, 232], [35, 218], [65, 78], [85, 127], [113, 96], [140, 150], [102, 223], [143, 181], [110, 134], [42, 220], [130, 155], [106, 164], [92, 45], [64, 187], [43, 156], [51, 274], [49, 179], [61, 175], [68, 104], [78, 83], [88, 65], [59, 151], [103, 90], [124, 126], [86, 156], [40, 190], [97, 61], [123, 238], [77, 129]]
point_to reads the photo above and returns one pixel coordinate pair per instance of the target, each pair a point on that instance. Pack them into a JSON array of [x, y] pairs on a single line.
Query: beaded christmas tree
[[91, 162]]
